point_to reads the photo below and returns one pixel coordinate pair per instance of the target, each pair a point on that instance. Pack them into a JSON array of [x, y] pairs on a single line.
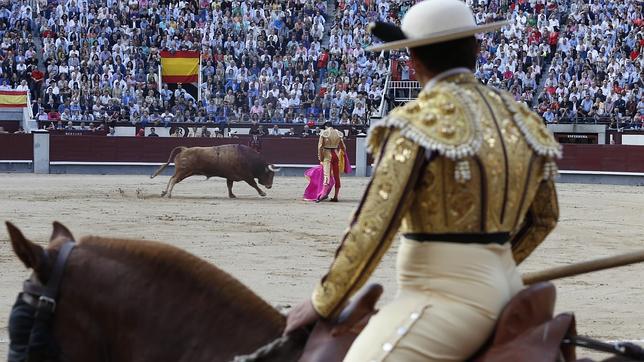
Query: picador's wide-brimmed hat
[[430, 22]]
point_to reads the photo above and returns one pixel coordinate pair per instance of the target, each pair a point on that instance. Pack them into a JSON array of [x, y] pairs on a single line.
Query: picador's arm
[[540, 220], [373, 225]]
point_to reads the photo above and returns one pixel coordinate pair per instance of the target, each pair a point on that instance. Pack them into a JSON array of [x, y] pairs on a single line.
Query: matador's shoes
[[325, 193]]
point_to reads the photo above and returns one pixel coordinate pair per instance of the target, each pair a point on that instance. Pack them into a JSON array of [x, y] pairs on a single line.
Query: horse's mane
[[183, 265]]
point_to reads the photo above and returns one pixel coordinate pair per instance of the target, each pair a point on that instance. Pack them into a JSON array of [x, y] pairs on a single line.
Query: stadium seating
[[303, 61]]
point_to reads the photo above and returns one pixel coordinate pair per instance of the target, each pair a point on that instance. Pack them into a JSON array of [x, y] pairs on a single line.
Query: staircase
[[330, 21], [563, 22]]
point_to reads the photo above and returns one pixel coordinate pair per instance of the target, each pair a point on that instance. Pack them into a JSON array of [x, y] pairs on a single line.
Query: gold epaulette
[[327, 133], [536, 134], [445, 120], [442, 119]]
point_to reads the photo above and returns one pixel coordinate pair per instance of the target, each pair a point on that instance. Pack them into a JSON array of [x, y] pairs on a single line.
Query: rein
[[30, 323]]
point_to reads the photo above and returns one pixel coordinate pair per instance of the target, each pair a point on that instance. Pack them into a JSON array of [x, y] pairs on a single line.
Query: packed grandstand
[[303, 61]]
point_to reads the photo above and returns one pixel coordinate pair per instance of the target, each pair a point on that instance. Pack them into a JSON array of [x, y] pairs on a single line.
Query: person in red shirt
[[635, 53], [616, 88], [553, 39], [535, 37], [323, 60], [412, 71], [36, 82]]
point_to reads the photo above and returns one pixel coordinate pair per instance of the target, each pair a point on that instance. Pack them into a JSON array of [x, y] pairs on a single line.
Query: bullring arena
[[279, 245], [95, 95]]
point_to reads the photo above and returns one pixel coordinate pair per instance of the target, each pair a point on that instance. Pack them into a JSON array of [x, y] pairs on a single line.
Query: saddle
[[525, 331]]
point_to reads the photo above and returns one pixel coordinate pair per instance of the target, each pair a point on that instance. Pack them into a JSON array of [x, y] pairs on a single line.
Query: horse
[[134, 300], [105, 299]]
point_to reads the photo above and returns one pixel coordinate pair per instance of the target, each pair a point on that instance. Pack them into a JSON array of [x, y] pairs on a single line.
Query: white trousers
[[449, 298]]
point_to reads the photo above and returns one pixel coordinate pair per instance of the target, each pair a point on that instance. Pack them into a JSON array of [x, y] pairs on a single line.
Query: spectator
[[153, 133]]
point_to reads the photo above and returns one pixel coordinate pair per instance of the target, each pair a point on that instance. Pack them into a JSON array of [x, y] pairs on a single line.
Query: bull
[[233, 162]]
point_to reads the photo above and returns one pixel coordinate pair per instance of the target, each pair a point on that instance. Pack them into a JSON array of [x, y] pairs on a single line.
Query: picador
[[465, 172]]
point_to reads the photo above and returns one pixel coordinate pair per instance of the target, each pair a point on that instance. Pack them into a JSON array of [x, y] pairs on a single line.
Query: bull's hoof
[[232, 196], [262, 194], [163, 193]]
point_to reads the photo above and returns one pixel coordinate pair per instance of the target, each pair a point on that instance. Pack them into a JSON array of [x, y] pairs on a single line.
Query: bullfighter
[[465, 173]]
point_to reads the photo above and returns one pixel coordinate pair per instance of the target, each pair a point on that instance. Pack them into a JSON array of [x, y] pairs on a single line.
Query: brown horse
[[123, 300]]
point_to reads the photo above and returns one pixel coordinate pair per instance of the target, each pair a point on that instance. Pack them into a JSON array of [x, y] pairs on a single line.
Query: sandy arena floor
[[280, 246]]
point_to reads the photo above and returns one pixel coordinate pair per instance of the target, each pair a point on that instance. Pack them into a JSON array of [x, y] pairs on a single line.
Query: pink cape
[[315, 175]]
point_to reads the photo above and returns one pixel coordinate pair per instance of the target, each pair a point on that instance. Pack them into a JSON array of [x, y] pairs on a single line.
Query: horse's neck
[[129, 301]]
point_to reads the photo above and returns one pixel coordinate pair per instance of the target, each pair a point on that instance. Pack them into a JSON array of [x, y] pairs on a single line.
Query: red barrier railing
[[16, 147], [279, 150], [608, 158]]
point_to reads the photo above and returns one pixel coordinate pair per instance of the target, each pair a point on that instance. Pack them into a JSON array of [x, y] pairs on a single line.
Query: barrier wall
[[16, 147], [605, 158], [278, 150], [580, 161]]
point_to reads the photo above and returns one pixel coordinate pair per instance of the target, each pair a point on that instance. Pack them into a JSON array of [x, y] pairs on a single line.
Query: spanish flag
[[180, 66], [13, 99]]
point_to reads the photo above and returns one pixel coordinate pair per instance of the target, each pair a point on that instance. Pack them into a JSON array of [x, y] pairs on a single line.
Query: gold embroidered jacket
[[330, 138], [462, 158]]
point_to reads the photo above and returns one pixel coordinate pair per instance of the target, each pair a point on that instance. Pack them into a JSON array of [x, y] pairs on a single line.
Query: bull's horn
[[273, 168]]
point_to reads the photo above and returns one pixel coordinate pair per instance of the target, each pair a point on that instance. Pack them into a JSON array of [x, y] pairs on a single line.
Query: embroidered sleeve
[[540, 220], [374, 224], [320, 148]]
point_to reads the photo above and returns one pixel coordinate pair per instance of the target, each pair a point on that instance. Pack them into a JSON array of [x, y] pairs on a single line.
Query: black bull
[[232, 162]]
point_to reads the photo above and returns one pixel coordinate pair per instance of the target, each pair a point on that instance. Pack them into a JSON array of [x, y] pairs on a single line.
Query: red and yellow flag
[[13, 99], [180, 66]]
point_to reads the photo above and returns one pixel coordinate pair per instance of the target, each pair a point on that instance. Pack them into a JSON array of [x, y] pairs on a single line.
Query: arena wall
[[142, 155], [615, 164]]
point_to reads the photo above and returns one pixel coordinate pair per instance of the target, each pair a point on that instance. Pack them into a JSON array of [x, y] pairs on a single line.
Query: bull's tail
[[175, 151]]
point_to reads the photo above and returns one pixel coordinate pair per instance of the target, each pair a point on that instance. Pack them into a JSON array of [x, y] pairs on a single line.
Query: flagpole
[[199, 80], [160, 80]]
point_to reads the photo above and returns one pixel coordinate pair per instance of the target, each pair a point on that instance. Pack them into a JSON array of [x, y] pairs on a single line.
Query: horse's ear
[[60, 231], [31, 254]]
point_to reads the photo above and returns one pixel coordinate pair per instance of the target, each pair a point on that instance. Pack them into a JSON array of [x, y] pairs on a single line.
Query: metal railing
[[402, 91], [383, 99]]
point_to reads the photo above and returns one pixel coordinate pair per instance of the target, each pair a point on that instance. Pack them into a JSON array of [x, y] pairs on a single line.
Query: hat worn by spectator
[[430, 22]]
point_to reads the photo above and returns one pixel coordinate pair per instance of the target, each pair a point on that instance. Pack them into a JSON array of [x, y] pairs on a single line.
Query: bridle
[[30, 323]]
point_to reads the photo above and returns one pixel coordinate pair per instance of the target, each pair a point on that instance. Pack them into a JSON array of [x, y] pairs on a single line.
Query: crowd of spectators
[[514, 58], [596, 73], [303, 61], [19, 61], [260, 60]]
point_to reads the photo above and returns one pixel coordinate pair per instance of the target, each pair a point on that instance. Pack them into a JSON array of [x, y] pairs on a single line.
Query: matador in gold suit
[[465, 174], [329, 147]]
